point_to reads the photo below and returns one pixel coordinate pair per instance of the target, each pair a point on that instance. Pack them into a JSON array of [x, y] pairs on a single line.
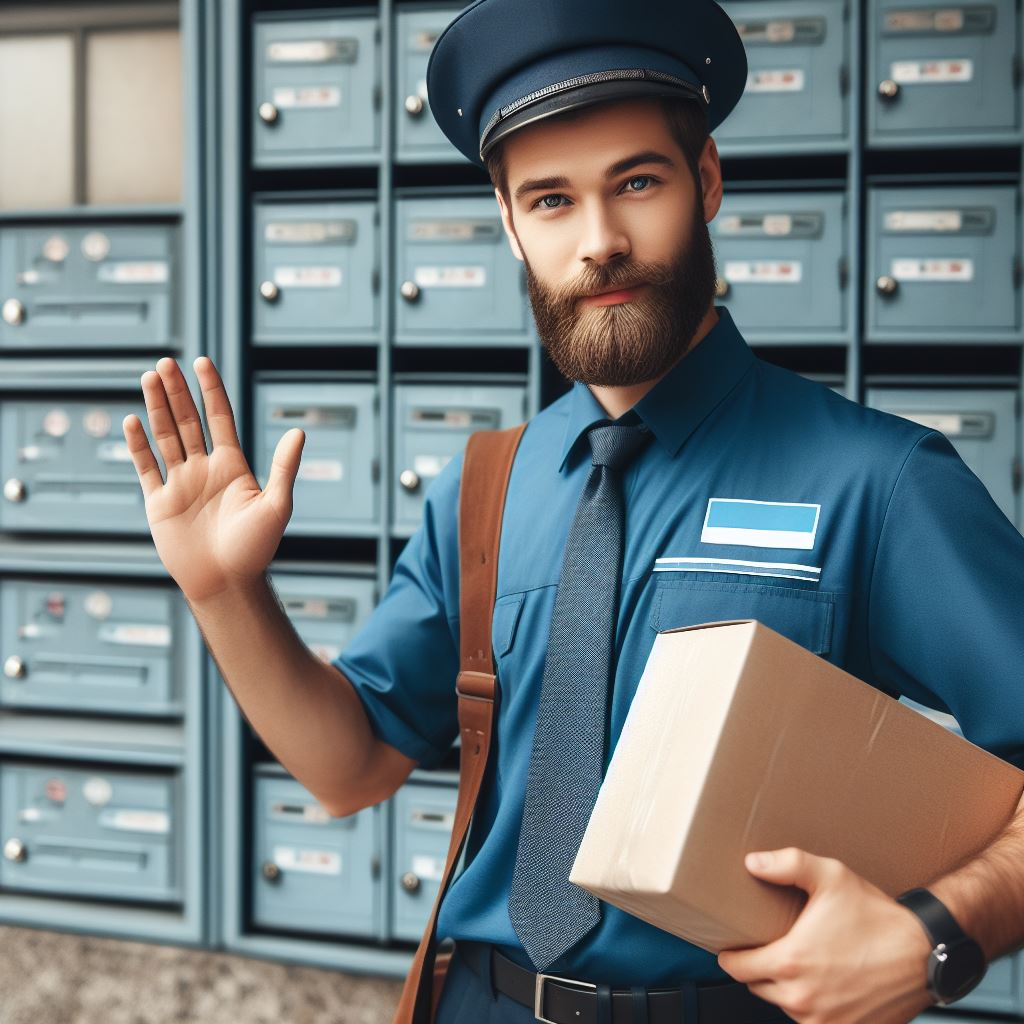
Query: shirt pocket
[[504, 622], [804, 616]]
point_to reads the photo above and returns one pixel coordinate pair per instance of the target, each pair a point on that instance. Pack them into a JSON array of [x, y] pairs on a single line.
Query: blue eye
[[551, 195], [638, 177], [542, 203]]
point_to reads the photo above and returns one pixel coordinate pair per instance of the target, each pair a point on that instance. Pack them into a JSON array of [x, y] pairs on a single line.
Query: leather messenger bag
[[486, 468]]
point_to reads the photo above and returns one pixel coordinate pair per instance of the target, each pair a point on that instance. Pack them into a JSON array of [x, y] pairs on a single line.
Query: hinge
[[1018, 474], [844, 273], [1016, 271], [844, 79], [375, 280], [376, 96], [375, 867], [1016, 69], [375, 471]]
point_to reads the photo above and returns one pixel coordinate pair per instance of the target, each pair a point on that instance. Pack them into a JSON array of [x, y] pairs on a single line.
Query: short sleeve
[[404, 661], [946, 600]]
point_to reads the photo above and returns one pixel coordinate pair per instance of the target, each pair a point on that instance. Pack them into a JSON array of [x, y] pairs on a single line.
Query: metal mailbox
[[942, 263], [314, 872], [782, 260], [433, 424], [337, 486], [424, 816], [458, 280], [936, 69], [797, 73], [66, 466], [103, 286], [981, 424], [92, 647], [316, 91], [90, 832], [417, 134], [316, 272], [326, 611]]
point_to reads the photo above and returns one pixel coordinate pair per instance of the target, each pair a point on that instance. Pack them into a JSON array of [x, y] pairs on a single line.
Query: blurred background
[[263, 182]]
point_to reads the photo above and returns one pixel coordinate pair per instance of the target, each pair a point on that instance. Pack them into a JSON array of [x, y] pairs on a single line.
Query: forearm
[[303, 709], [986, 895]]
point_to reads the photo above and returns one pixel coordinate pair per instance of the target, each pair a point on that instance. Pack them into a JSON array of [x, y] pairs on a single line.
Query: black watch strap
[[935, 917]]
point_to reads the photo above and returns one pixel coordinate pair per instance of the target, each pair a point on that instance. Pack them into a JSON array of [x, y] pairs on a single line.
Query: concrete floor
[[55, 978]]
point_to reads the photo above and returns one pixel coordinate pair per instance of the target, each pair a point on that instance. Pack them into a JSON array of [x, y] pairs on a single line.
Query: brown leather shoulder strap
[[486, 468]]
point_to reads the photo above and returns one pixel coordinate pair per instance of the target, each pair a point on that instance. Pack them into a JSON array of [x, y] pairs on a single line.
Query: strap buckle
[[538, 993]]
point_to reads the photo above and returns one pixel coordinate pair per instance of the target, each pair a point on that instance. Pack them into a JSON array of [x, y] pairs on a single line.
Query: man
[[592, 117]]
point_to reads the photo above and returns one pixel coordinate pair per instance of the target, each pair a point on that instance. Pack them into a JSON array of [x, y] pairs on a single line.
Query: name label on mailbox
[[911, 269], [763, 271], [450, 277]]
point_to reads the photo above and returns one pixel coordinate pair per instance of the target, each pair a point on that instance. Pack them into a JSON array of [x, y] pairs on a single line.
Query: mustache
[[611, 277]]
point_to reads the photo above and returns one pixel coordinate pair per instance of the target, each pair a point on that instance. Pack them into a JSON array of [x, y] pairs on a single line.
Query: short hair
[[687, 121]]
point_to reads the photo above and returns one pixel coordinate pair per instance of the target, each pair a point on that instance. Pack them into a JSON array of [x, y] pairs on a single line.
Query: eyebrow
[[649, 156]]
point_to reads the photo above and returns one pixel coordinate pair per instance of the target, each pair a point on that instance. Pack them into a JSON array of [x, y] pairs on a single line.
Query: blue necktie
[[548, 912]]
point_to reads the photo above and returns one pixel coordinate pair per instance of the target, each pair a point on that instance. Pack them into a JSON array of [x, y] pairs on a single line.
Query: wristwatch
[[957, 963]]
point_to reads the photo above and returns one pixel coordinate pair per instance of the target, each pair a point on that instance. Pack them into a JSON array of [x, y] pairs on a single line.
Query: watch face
[[962, 969]]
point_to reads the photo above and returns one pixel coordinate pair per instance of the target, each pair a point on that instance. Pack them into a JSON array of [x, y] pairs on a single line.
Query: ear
[[506, 221], [711, 179]]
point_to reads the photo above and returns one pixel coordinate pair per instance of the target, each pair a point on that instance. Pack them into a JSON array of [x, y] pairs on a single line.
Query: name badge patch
[[761, 524]]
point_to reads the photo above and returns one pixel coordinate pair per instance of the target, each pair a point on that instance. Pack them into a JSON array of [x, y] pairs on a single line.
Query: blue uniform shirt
[[858, 534]]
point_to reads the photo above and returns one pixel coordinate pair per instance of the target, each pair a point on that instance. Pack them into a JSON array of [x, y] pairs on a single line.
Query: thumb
[[284, 467], [788, 866]]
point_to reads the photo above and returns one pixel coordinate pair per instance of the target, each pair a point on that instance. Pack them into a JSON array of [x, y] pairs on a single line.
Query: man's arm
[[306, 711]]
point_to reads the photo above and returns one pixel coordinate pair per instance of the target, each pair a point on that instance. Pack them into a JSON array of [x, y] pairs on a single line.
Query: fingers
[[183, 409], [284, 467], [161, 420], [142, 455], [219, 417]]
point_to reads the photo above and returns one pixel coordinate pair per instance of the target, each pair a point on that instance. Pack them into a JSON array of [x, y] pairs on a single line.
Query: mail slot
[[797, 75], [433, 424], [66, 466], [949, 73], [337, 486], [103, 647], [943, 264], [313, 872], [458, 281], [783, 263], [418, 137], [316, 90], [98, 832], [99, 286], [316, 273], [326, 611], [424, 816], [981, 424]]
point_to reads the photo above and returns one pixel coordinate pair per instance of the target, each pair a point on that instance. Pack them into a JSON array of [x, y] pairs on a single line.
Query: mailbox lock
[[14, 667], [268, 113], [409, 479], [887, 285], [410, 881], [16, 850], [721, 287], [269, 291], [13, 312], [414, 105], [14, 490], [888, 89], [271, 872], [410, 291]]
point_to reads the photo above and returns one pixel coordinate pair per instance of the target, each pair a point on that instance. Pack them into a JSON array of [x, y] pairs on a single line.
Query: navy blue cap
[[502, 64]]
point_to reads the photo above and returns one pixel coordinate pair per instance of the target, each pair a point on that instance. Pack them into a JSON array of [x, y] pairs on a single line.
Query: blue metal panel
[[89, 286], [96, 647], [316, 90]]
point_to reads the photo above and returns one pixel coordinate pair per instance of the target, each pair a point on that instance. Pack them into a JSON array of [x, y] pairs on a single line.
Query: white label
[[307, 277], [311, 51], [776, 80], [450, 277], [28, 277], [763, 271], [141, 272], [923, 220], [137, 634], [320, 469], [113, 451], [431, 868], [430, 465], [136, 821], [308, 231], [305, 96], [909, 269], [926, 72], [317, 862], [951, 20], [30, 814]]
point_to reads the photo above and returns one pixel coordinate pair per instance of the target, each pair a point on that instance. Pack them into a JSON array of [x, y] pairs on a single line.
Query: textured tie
[[548, 912]]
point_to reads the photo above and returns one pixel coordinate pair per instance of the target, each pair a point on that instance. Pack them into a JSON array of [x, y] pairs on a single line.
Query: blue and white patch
[[740, 567], [760, 524]]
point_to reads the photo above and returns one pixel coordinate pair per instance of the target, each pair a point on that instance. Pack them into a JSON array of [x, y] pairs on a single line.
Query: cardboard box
[[739, 739]]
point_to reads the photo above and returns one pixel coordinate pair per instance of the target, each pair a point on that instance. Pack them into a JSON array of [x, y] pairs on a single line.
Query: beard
[[631, 342]]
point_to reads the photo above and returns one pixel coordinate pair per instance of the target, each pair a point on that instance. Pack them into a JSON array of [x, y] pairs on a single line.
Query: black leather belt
[[559, 1000]]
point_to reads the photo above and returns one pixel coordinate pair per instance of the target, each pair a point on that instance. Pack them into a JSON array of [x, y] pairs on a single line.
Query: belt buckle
[[538, 993]]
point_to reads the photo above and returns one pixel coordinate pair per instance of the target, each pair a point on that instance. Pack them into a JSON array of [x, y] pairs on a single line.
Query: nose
[[603, 238]]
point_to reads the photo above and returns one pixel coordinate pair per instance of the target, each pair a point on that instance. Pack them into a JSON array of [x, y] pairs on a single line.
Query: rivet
[[707, 60], [460, 111]]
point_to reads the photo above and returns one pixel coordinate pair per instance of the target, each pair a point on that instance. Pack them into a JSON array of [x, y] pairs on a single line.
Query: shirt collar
[[676, 405]]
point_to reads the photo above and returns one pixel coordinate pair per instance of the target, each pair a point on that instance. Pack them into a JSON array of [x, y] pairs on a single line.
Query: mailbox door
[[326, 612]]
